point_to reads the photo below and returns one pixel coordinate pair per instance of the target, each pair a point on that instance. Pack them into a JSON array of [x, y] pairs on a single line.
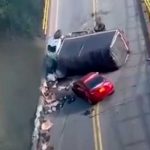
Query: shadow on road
[[79, 106]]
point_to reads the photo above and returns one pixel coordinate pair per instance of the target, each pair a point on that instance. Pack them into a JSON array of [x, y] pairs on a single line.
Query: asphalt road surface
[[122, 121], [72, 15]]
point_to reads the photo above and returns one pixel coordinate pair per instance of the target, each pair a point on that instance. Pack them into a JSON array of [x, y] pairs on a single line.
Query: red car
[[93, 87]]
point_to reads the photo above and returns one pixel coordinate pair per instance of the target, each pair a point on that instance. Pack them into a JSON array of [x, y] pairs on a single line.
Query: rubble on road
[[49, 102]]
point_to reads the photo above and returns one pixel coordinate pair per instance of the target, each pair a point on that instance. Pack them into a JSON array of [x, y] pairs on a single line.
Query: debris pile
[[49, 102]]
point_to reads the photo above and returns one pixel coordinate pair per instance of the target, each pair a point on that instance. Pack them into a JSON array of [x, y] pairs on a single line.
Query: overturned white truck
[[104, 52]]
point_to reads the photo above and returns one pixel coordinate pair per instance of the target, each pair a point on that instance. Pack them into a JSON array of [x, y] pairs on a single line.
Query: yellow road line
[[44, 14], [47, 14], [147, 3], [96, 113], [99, 127], [94, 130]]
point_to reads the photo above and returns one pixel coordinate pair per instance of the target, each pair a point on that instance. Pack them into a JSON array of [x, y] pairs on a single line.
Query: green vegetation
[[21, 17]]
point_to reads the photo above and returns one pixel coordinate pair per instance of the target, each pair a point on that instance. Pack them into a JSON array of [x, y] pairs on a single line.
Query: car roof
[[89, 76]]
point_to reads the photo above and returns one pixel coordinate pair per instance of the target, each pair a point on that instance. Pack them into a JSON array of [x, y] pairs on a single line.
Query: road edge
[[50, 30]]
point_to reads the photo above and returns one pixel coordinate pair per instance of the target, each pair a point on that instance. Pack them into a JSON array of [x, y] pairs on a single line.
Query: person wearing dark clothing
[[50, 66], [58, 34], [99, 25]]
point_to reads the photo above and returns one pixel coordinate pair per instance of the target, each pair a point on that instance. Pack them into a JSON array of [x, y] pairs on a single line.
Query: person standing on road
[[50, 66], [99, 26]]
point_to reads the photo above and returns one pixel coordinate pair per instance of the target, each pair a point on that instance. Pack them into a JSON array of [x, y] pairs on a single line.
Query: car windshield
[[94, 82]]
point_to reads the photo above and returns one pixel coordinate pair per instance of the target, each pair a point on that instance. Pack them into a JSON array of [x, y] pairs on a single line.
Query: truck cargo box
[[104, 52]]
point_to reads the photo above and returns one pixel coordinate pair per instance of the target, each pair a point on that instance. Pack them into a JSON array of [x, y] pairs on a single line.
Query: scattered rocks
[[49, 102]]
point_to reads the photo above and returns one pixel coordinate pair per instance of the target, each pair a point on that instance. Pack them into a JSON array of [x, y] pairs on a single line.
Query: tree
[[20, 17]]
